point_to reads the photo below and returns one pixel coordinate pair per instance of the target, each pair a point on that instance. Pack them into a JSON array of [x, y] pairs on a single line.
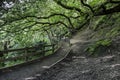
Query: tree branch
[[109, 11], [59, 22], [116, 2], [87, 6], [68, 7], [52, 15]]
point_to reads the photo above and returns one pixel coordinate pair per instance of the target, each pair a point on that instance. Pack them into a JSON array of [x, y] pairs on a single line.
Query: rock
[[46, 67], [78, 57], [38, 75], [115, 65], [31, 78], [85, 71], [108, 58], [116, 78]]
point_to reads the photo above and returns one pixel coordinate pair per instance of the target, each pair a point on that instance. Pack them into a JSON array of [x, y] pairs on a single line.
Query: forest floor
[[78, 66], [25, 71]]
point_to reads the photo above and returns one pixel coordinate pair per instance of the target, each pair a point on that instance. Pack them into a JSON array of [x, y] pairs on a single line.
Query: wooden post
[[26, 52], [43, 50], [1, 57], [53, 48]]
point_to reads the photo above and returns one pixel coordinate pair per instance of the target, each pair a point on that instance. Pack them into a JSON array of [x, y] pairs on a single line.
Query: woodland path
[[23, 72], [77, 66]]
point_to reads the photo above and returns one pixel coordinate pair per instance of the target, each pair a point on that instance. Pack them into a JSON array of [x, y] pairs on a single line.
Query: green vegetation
[[94, 49], [25, 23]]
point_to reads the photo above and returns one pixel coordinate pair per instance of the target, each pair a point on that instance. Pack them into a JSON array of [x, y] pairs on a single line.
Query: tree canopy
[[28, 21], [24, 23]]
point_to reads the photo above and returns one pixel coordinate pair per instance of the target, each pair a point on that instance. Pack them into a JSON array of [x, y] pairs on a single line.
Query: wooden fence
[[27, 52]]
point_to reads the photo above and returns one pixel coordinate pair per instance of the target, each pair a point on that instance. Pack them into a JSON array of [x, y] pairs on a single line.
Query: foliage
[[100, 43], [27, 22]]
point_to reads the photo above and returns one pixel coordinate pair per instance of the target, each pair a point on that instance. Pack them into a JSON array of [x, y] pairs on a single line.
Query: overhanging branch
[[52, 15], [116, 2], [68, 7], [109, 11], [87, 6]]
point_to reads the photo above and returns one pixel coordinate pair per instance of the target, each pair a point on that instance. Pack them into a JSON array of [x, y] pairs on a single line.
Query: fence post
[[53, 48], [43, 50], [26, 51], [1, 58]]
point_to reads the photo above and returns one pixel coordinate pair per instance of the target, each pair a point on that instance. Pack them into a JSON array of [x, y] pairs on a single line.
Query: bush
[[99, 46]]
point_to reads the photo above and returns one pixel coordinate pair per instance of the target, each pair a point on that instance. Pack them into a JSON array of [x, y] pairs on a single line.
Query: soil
[[82, 68], [25, 71], [78, 66]]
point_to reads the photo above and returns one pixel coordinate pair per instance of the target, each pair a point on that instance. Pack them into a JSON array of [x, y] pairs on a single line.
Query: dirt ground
[[78, 66]]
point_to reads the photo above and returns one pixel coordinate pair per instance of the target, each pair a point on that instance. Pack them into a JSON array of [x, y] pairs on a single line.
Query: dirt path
[[79, 67], [21, 73], [81, 37], [80, 41], [82, 68]]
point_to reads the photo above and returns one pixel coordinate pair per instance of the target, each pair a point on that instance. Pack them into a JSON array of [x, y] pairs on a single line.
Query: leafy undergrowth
[[98, 46], [106, 29]]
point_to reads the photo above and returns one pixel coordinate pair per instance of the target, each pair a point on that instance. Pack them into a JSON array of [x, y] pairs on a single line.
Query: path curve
[[21, 73]]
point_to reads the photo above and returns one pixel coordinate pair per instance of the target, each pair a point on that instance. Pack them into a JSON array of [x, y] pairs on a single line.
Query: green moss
[[95, 48]]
